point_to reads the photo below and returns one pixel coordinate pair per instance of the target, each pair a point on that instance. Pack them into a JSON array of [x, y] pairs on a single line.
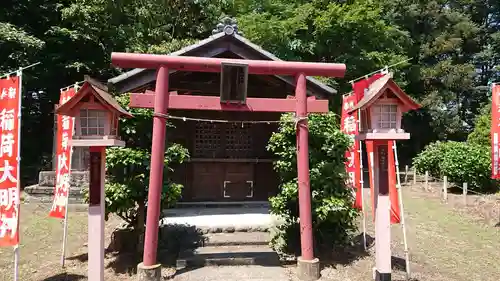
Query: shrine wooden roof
[[378, 87], [100, 91], [215, 45]]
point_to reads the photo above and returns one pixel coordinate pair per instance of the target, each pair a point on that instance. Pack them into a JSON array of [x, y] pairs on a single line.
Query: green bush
[[459, 161], [470, 163], [127, 181], [334, 219], [127, 169], [430, 158]]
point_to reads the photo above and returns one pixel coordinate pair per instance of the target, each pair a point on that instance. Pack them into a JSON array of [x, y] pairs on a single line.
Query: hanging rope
[[76, 85], [386, 68], [295, 120]]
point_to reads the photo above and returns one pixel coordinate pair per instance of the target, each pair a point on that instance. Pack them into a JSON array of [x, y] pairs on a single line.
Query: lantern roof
[[378, 87], [99, 91]]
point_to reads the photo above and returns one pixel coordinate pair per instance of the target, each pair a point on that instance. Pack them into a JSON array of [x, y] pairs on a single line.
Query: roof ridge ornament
[[228, 25]]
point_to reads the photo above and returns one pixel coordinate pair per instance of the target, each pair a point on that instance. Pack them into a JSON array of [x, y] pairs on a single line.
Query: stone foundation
[[44, 190]]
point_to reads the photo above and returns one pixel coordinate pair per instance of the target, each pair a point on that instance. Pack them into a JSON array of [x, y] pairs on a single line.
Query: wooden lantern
[[96, 115], [381, 110]]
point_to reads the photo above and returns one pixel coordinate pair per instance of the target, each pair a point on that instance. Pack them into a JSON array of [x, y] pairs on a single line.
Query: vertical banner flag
[[495, 131], [393, 191], [370, 151], [359, 87], [349, 126], [10, 106], [63, 159]]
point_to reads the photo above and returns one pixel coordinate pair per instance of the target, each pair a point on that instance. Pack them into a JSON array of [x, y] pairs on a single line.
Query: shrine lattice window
[[92, 122], [207, 142], [238, 141], [387, 116], [223, 140]]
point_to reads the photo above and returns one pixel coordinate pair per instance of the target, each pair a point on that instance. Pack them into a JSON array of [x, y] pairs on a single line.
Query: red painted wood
[[203, 64], [146, 100], [156, 172], [306, 233]]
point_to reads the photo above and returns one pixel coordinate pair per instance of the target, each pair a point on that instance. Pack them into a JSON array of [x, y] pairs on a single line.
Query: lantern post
[[93, 100], [380, 110]]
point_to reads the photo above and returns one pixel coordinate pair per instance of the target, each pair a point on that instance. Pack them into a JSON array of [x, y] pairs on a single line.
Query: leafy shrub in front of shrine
[[460, 162], [127, 171], [127, 181], [334, 219]]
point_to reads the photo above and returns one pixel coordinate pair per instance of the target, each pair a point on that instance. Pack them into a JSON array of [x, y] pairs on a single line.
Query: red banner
[[360, 86], [10, 104], [495, 131], [393, 190], [349, 126], [63, 158]]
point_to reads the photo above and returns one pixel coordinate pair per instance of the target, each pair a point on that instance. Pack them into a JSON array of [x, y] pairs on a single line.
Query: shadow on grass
[[172, 239], [457, 190], [85, 256], [348, 254], [66, 277], [398, 263]]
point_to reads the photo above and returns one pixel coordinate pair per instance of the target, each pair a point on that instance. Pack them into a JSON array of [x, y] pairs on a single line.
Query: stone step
[[237, 239], [229, 256], [233, 204]]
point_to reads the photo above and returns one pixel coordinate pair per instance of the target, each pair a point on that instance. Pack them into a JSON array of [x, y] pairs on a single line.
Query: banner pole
[[65, 226], [361, 183], [19, 70], [403, 226], [65, 231], [19, 115]]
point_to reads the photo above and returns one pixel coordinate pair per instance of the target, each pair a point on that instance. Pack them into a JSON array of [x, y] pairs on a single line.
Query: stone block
[[148, 273], [308, 270], [78, 179]]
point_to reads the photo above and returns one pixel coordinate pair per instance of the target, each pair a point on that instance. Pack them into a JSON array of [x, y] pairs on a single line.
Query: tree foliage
[[454, 47], [481, 133], [331, 200]]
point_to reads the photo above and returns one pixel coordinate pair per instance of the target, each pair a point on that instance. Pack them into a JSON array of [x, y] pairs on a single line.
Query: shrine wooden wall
[[231, 152]]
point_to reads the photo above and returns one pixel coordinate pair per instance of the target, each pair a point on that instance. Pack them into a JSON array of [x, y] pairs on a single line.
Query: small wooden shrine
[[229, 161]]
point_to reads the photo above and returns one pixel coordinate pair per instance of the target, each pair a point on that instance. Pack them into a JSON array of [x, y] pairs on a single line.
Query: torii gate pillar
[[308, 266]]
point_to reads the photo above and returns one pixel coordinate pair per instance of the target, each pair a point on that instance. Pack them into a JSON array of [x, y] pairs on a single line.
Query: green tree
[[331, 200], [350, 32], [481, 133], [455, 53]]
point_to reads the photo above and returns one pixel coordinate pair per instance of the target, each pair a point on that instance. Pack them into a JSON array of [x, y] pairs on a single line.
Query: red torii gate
[[161, 100]]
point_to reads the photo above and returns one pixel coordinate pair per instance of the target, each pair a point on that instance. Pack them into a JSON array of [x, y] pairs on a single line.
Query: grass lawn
[[445, 245], [40, 251]]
